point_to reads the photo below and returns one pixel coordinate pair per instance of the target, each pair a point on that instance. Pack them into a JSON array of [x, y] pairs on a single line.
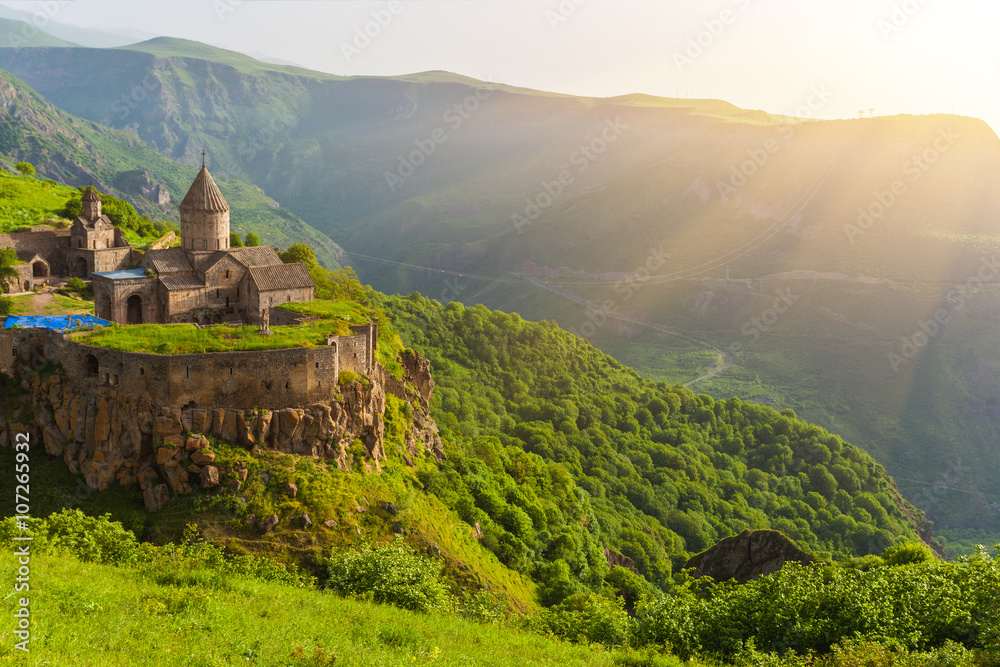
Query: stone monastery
[[203, 280]]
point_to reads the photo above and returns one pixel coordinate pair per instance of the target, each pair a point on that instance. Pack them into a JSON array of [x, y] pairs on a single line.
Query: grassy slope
[[121, 618]]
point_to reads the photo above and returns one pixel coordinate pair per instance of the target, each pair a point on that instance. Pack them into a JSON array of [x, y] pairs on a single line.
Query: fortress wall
[[354, 353], [271, 379]]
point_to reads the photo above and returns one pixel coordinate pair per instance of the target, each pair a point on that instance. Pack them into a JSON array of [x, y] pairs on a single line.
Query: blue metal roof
[[123, 274]]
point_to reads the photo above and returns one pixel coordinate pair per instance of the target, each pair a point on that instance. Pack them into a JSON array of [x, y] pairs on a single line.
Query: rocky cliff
[[109, 437]]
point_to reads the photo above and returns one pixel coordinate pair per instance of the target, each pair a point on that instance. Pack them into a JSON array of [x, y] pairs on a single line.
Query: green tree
[[299, 252], [26, 169], [252, 240], [7, 274], [235, 241]]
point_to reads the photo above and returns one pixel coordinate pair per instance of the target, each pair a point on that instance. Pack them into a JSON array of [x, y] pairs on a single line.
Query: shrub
[[389, 574], [347, 377]]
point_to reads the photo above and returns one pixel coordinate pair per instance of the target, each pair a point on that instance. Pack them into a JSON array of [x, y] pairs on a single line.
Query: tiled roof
[[91, 195], [168, 260], [261, 255], [204, 195], [280, 276], [181, 281]]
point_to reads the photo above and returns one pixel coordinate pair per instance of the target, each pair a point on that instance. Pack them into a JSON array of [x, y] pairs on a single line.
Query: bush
[[347, 377], [389, 574]]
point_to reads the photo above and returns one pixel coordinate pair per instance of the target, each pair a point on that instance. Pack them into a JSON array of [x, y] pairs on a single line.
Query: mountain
[[842, 269], [15, 33], [79, 152]]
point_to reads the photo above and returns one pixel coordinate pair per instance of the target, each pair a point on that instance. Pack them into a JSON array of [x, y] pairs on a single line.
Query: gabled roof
[[261, 255], [280, 276], [181, 281], [204, 195], [168, 260], [91, 224]]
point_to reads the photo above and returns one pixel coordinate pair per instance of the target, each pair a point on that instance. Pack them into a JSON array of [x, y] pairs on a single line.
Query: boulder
[[269, 523], [291, 489], [747, 556], [209, 477], [390, 508]]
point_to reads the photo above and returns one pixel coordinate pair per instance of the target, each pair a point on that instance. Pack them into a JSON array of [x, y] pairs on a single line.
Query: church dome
[[91, 194], [204, 195]]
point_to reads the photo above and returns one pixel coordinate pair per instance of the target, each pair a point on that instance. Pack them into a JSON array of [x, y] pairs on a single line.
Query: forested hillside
[[555, 448]]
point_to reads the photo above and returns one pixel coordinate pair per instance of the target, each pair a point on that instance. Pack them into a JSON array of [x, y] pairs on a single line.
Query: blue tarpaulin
[[54, 322]]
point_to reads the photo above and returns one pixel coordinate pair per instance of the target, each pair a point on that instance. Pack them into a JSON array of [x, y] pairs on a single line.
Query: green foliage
[[389, 574], [539, 424], [813, 608], [348, 377], [586, 618], [252, 240], [235, 241], [26, 168], [298, 252]]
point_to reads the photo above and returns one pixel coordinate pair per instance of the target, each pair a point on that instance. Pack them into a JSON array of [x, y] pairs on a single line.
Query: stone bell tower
[[204, 215], [91, 204]]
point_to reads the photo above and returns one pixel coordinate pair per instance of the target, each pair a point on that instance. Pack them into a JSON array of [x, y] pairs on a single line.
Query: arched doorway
[[27, 286], [40, 269], [80, 267], [90, 366], [133, 310]]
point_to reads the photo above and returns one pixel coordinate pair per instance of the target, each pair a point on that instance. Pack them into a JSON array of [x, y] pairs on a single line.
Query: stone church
[[203, 280]]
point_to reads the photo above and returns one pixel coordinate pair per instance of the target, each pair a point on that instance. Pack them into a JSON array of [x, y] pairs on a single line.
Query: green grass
[[122, 618], [60, 305], [189, 339], [28, 201]]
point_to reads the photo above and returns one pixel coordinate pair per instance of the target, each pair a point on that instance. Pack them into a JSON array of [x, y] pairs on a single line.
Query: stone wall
[[268, 379], [116, 416], [47, 243]]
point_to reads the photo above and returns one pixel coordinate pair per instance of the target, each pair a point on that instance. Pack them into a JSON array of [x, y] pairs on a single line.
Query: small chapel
[[203, 280]]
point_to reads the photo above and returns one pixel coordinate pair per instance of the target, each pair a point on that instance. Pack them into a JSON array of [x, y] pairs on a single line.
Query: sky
[[810, 58]]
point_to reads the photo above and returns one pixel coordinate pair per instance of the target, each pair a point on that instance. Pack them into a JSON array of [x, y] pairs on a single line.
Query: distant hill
[[15, 33], [78, 152], [808, 252]]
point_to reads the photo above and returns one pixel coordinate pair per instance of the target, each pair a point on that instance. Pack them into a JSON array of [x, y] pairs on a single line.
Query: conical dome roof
[[91, 194], [204, 195]]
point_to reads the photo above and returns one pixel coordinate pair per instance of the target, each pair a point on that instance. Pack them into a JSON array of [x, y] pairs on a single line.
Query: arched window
[[90, 365]]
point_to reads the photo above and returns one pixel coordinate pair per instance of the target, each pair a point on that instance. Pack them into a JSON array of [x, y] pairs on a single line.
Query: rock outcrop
[[749, 555], [108, 436]]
